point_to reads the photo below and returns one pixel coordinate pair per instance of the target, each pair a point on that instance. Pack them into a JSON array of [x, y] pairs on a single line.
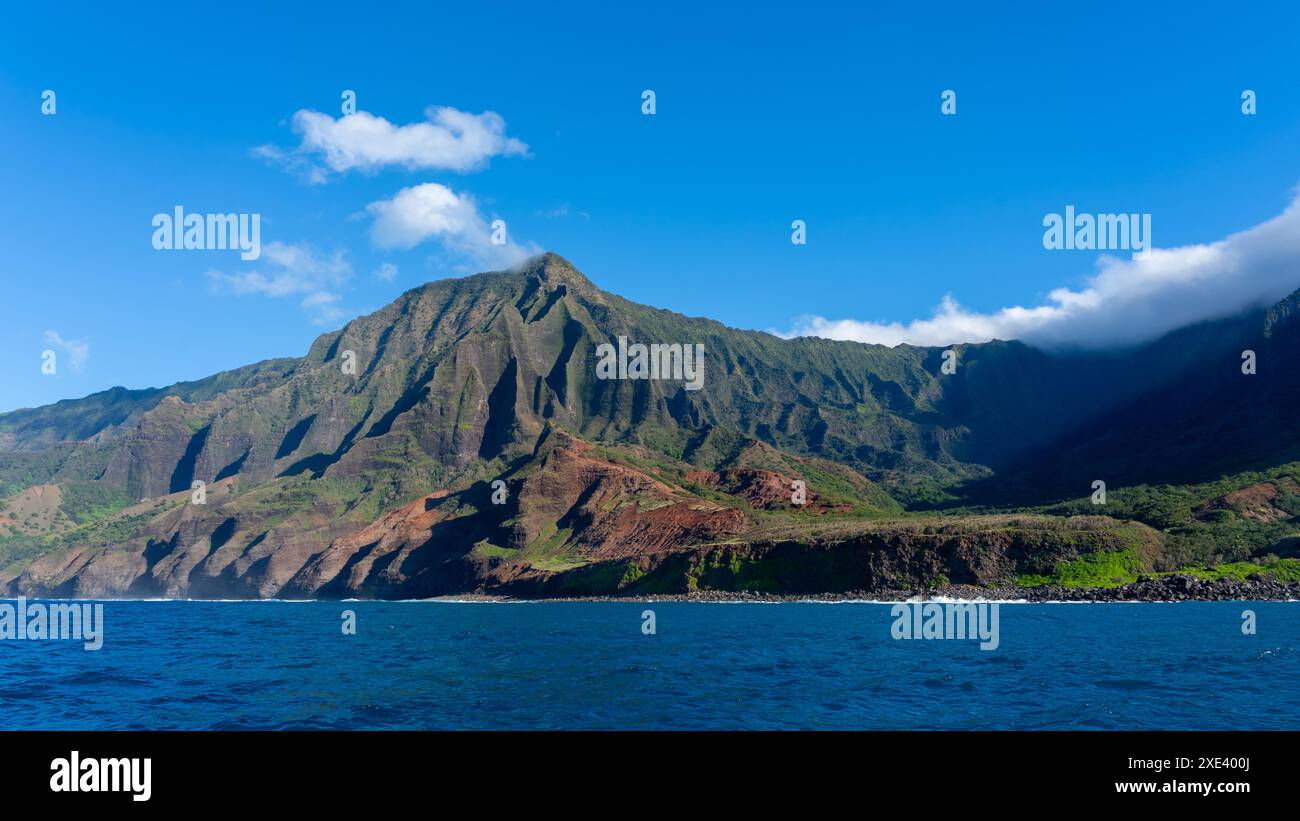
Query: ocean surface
[[588, 665]]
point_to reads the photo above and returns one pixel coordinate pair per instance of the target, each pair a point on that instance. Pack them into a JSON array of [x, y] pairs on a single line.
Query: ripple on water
[[177, 665]]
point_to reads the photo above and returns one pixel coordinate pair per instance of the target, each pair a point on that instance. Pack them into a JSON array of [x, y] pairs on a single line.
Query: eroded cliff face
[[560, 507], [570, 522], [370, 466], [883, 558]]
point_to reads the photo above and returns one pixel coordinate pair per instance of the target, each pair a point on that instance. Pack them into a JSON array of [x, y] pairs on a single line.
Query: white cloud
[[1127, 301], [77, 350], [294, 270], [433, 212], [387, 272], [448, 140]]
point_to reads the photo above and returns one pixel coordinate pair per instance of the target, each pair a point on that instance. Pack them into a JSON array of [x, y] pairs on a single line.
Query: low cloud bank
[[1127, 301]]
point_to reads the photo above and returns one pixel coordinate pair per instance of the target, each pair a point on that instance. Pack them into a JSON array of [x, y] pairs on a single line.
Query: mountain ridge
[[460, 383]]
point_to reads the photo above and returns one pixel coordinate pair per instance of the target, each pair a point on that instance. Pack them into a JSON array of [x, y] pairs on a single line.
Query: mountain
[[463, 439]]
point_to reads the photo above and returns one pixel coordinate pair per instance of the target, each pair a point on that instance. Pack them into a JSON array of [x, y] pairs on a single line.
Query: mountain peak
[[552, 269]]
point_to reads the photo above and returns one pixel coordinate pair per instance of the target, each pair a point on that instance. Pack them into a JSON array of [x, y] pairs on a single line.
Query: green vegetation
[[463, 381], [1233, 519], [85, 502], [1100, 570], [1111, 569], [1282, 570]]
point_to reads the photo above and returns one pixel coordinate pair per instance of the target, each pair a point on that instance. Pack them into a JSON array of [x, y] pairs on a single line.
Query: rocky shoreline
[[1173, 588], [1178, 587]]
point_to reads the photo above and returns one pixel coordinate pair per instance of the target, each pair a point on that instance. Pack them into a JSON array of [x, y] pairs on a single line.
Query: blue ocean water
[[579, 665]]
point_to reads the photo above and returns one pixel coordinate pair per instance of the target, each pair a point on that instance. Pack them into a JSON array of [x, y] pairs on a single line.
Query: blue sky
[[764, 115]]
